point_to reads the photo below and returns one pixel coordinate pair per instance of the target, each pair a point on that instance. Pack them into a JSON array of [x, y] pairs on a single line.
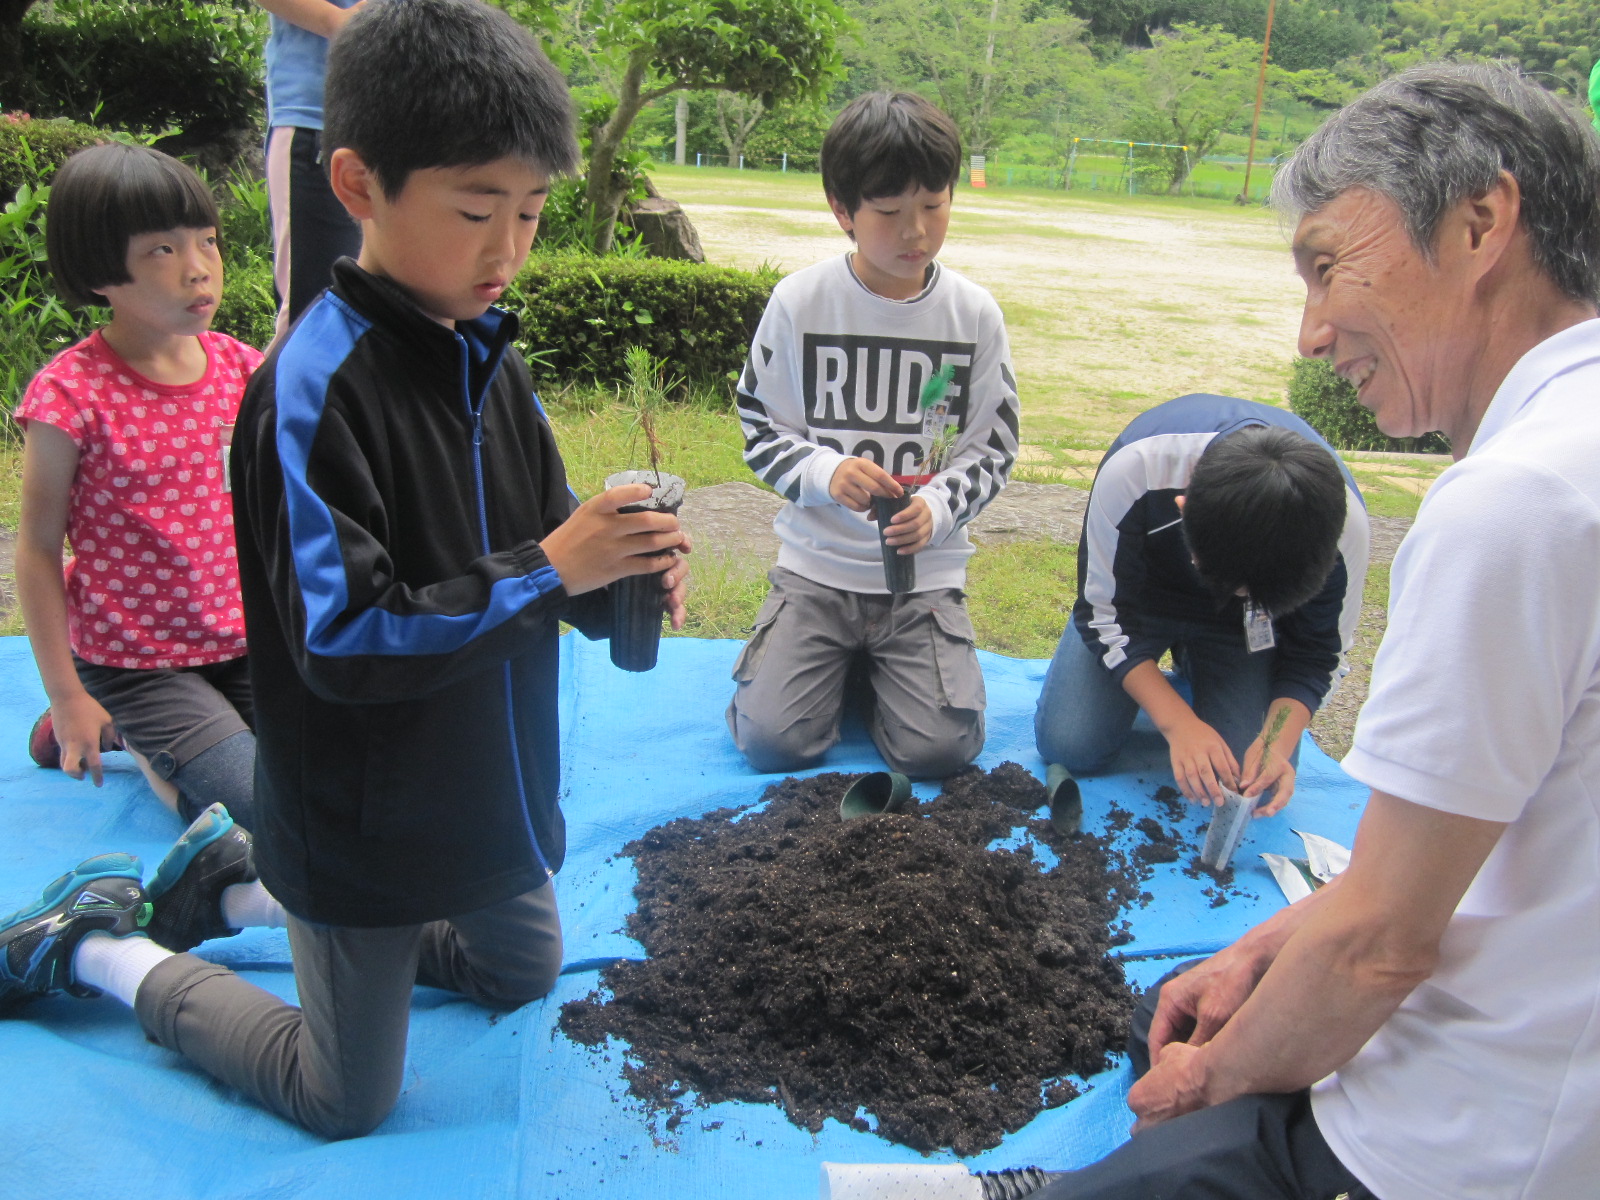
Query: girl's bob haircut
[[106, 195]]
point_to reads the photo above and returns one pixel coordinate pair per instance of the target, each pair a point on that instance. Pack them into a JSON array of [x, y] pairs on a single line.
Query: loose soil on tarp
[[891, 972]]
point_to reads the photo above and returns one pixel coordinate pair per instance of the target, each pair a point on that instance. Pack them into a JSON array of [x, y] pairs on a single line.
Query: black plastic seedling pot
[[899, 570], [875, 794], [637, 602]]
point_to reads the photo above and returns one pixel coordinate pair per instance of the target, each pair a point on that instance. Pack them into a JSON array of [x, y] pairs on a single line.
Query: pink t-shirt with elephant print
[[153, 581]]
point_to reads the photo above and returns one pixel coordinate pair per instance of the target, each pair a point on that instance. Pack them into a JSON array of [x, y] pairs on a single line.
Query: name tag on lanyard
[[1258, 633]]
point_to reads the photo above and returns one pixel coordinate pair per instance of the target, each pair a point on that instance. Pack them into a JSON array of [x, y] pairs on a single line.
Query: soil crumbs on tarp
[[891, 967]]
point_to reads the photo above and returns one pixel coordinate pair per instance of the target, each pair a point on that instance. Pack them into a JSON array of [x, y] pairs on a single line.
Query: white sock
[[116, 965], [251, 906]]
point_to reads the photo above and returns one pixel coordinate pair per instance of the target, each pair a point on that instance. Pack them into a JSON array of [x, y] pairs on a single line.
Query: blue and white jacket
[[1134, 568], [392, 481]]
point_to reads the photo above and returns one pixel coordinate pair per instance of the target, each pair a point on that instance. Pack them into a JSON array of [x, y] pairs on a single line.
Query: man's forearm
[[1355, 956]]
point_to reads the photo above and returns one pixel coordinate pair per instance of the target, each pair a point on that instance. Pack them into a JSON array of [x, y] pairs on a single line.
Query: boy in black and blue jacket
[[407, 546]]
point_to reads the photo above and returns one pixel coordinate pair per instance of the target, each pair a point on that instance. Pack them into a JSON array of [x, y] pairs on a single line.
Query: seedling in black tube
[[900, 570]]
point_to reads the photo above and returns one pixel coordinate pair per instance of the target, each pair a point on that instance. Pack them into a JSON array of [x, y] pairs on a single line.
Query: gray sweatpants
[[334, 1065], [927, 721]]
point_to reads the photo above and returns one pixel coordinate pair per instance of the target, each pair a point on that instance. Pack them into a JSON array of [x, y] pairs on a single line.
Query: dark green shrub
[[32, 151], [1328, 404], [34, 324], [580, 314], [130, 65], [249, 306]]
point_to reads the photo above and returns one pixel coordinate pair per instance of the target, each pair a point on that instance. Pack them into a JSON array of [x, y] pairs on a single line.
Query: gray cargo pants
[[334, 1065], [927, 721]]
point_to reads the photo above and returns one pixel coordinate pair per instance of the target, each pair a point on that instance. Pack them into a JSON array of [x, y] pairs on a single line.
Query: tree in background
[[737, 118], [767, 49], [1187, 89], [983, 61]]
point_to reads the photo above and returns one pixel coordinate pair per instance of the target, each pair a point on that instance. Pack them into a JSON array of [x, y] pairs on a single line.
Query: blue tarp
[[503, 1107]]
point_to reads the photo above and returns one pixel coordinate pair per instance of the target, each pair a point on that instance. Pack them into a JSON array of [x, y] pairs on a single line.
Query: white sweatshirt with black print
[[836, 371]]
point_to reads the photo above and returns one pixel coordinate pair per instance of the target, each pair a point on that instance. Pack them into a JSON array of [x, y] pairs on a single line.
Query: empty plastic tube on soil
[[916, 1181], [1226, 831], [875, 793], [637, 601], [1066, 800]]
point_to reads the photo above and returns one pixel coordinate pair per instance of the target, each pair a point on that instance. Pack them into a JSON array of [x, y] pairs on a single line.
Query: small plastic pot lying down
[[875, 794], [638, 602]]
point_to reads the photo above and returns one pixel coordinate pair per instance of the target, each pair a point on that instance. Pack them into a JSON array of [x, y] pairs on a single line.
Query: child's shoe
[[186, 890], [37, 942], [42, 746]]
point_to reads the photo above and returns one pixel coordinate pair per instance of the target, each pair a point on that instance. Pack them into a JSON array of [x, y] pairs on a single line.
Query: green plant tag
[[938, 385]]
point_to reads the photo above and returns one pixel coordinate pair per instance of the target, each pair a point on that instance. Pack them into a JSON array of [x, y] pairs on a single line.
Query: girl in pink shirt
[[139, 633]]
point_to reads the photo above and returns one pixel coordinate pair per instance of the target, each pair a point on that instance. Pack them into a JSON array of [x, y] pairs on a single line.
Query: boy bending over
[[1229, 533], [831, 404], [407, 544]]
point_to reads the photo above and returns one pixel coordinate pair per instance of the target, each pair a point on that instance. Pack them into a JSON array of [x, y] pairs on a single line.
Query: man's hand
[[857, 480], [1174, 1085], [1195, 1005], [83, 729], [910, 528], [1202, 764], [597, 545]]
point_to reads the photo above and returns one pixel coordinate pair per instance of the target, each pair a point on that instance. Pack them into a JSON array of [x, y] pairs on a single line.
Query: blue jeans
[[1084, 716]]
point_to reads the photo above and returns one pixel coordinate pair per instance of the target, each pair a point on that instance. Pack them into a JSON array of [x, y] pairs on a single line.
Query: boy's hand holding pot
[[857, 480], [598, 545]]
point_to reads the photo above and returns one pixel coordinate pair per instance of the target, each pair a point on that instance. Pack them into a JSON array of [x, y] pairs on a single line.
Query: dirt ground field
[[1112, 305]]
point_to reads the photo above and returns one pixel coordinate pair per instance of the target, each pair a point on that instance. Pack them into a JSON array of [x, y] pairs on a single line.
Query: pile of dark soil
[[891, 965]]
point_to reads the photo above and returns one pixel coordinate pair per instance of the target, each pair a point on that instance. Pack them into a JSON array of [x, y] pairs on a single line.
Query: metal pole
[[786, 162], [1255, 123], [697, 158]]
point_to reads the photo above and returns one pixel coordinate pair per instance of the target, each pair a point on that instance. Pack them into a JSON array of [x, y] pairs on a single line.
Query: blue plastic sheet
[[503, 1107]]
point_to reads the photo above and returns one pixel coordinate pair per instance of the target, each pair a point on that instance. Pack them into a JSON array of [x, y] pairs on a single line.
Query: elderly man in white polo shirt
[[1428, 1025]]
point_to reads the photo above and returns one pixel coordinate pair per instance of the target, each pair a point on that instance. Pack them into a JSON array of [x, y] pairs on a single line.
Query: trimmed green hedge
[[580, 314], [130, 65], [1329, 405], [31, 151]]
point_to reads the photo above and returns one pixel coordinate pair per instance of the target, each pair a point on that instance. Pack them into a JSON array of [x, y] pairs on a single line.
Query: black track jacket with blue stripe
[[392, 480], [1135, 576]]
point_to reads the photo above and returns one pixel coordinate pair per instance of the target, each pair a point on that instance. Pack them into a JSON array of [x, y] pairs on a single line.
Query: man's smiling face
[[1390, 322]]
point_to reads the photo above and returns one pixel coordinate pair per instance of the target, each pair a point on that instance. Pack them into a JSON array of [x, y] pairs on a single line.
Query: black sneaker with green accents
[[212, 854], [37, 942]]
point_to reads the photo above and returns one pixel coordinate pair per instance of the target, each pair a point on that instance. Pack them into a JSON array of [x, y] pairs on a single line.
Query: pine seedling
[[935, 390], [647, 387], [1279, 720]]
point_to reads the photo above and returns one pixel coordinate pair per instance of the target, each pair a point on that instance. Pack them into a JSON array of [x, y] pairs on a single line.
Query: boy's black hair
[[418, 84], [106, 195], [883, 143], [1263, 511]]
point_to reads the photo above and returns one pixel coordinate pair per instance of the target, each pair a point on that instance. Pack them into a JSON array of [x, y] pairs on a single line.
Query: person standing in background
[[310, 228]]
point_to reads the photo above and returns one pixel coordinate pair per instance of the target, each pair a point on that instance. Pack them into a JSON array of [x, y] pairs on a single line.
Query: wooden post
[[1255, 122]]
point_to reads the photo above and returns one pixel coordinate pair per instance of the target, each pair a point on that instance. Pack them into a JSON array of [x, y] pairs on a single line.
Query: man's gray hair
[[1442, 132]]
